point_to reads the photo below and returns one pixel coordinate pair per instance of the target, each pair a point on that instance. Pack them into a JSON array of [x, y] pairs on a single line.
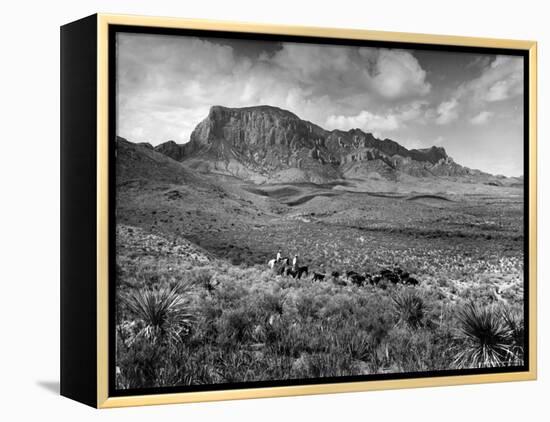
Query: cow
[[318, 277], [357, 279], [411, 281], [302, 270], [375, 279], [349, 274], [390, 276], [335, 274], [368, 279], [296, 273]]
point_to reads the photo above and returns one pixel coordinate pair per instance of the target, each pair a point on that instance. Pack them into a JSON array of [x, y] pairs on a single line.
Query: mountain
[[172, 150], [140, 162], [268, 143]]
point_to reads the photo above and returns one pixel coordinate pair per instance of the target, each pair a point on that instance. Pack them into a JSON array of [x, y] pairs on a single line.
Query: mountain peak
[[172, 150], [267, 141]]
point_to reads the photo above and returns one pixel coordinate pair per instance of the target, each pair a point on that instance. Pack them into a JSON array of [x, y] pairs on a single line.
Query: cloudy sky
[[470, 104]]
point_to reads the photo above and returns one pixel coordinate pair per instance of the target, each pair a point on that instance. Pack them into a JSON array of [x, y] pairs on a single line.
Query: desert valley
[[414, 262]]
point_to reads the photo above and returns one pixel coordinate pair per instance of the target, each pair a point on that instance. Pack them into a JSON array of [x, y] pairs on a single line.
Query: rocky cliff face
[[172, 150], [268, 143]]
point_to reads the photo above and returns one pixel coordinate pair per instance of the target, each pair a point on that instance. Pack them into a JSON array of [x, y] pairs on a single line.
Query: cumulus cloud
[[398, 74], [498, 91], [481, 118], [364, 120], [392, 74], [394, 119], [500, 79], [420, 143], [447, 112], [306, 61]]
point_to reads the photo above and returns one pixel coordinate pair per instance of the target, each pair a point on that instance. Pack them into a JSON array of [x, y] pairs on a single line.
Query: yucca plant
[[409, 308], [164, 313], [485, 340], [513, 320]]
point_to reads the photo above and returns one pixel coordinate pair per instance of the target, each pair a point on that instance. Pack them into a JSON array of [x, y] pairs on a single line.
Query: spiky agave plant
[[165, 313], [513, 320], [409, 308], [484, 338]]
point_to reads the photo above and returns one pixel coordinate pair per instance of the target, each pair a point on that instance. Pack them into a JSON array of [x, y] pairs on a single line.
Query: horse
[[281, 270], [271, 263], [318, 277], [290, 272], [335, 274], [285, 260]]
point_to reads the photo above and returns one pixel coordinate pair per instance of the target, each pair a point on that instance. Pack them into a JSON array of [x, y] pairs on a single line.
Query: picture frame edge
[[103, 22]]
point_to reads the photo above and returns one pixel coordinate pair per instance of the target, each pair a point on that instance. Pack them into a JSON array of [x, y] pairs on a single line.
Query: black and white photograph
[[292, 211]]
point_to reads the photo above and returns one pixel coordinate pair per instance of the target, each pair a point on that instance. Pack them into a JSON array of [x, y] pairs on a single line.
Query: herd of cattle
[[384, 277]]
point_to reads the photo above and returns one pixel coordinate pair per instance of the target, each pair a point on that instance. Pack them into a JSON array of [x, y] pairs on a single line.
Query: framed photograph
[[259, 211]]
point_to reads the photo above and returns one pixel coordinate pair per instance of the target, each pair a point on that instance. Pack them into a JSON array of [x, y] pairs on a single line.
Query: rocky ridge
[[266, 143]]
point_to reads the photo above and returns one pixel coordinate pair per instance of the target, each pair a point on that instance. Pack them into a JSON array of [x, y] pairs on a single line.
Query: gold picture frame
[[102, 399]]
